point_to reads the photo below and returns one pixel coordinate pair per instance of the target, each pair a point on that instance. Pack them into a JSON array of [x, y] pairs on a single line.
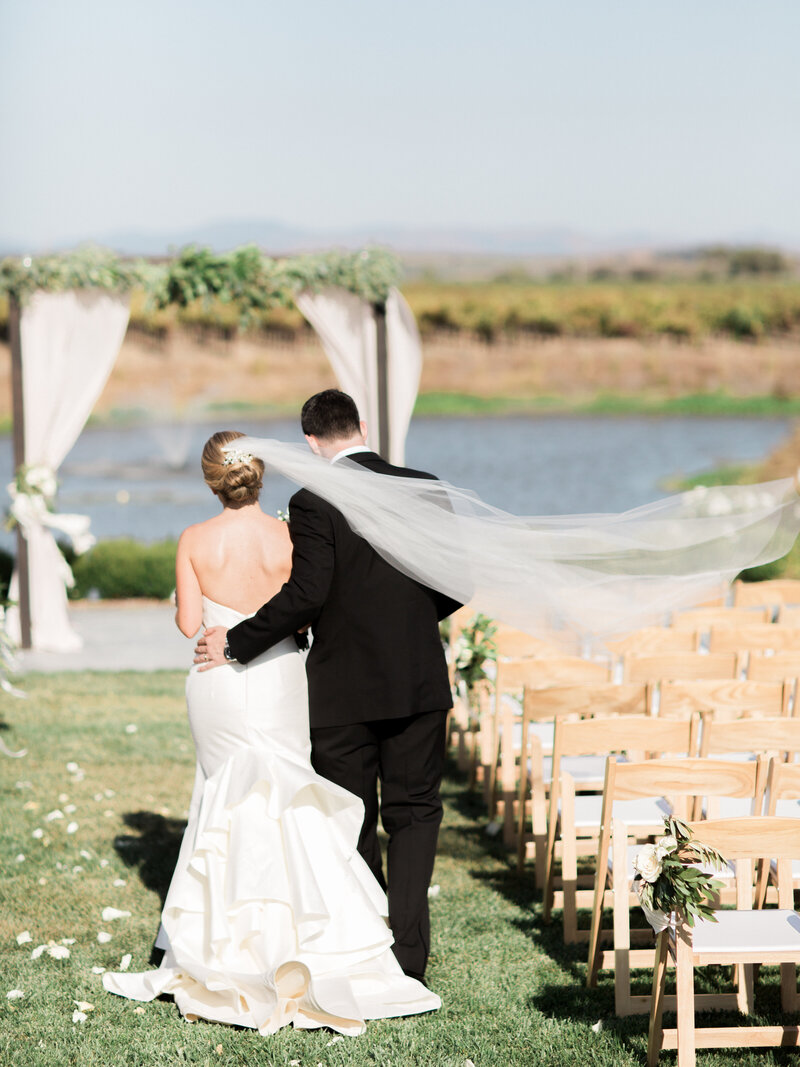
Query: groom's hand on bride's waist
[[209, 650]]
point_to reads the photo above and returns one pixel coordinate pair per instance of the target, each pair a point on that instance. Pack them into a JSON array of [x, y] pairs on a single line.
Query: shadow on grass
[[155, 851]]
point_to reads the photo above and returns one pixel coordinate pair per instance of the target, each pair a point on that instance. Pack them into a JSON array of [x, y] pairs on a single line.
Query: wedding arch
[[68, 315]]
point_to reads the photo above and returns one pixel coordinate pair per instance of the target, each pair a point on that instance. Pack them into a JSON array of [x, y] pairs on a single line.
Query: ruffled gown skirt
[[272, 916]]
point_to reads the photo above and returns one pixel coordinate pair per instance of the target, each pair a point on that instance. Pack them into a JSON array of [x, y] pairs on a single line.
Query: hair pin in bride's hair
[[232, 457]]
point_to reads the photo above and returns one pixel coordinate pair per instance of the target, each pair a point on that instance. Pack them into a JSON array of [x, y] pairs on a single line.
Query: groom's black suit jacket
[[376, 652]]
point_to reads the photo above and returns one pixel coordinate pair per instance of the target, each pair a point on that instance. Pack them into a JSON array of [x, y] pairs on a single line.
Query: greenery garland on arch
[[244, 277]]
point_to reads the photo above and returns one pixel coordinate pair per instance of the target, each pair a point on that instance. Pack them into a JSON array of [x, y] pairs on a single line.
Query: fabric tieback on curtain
[[69, 343]]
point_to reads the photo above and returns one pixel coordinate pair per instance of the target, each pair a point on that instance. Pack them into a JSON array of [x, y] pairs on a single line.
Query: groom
[[377, 680]]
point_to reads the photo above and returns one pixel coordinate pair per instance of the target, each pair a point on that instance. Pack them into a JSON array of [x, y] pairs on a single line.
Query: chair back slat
[[727, 699], [752, 638], [679, 665], [705, 618], [583, 701], [775, 735], [766, 594]]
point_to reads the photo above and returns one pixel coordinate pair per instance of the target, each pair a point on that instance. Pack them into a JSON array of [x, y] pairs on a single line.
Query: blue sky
[[608, 116]]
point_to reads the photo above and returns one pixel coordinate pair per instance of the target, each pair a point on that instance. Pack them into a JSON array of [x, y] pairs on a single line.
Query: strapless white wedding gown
[[272, 916]]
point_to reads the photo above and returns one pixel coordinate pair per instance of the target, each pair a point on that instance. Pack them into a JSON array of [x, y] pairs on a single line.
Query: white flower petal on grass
[[14, 994], [38, 833], [70, 809], [108, 813], [72, 827], [109, 793], [83, 1005], [103, 863], [58, 952], [598, 1026], [62, 798], [42, 881], [30, 805], [79, 1016], [131, 728], [51, 816], [103, 937], [24, 785], [24, 937], [98, 970], [468, 1063], [335, 1040], [67, 940], [119, 883], [72, 767], [138, 1011], [98, 797], [86, 855], [20, 857], [109, 914], [38, 951], [125, 962], [77, 870], [434, 890]]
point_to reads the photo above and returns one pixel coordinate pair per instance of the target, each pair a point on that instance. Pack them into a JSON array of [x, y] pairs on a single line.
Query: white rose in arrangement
[[666, 845], [43, 479], [648, 863]]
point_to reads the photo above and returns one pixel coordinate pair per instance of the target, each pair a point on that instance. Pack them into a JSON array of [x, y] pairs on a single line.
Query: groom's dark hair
[[330, 415]]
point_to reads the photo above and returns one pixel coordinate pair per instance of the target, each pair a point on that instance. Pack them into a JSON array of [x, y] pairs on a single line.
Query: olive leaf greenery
[[681, 885], [244, 277]]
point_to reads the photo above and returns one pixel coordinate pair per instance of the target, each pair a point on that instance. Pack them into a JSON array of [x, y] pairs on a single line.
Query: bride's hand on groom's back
[[208, 651]]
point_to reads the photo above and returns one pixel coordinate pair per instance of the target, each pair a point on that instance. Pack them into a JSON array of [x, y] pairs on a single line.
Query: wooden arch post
[[382, 354], [18, 414]]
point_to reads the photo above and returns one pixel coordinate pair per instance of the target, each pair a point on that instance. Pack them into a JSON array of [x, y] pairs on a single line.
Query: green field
[[512, 993]]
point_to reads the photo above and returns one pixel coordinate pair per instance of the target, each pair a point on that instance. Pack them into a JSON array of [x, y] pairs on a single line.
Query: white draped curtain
[[69, 342], [346, 327]]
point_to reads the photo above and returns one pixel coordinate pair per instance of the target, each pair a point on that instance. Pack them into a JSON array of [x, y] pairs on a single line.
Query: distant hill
[[415, 244]]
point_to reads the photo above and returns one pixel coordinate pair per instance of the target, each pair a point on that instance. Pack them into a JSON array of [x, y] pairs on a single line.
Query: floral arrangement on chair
[[473, 648], [672, 876]]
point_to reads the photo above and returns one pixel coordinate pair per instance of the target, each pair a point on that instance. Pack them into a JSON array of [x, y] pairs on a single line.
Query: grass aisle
[[113, 755]]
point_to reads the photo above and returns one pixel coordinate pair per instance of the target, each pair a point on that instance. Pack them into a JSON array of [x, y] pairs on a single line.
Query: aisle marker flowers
[[672, 876]]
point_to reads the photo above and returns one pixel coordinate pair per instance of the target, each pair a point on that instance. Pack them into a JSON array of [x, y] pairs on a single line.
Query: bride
[[272, 917]]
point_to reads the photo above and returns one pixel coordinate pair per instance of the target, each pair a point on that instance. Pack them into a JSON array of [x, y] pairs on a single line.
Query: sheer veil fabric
[[574, 580]]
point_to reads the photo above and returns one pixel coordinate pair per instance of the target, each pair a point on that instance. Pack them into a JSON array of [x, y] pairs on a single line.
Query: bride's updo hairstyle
[[236, 477]]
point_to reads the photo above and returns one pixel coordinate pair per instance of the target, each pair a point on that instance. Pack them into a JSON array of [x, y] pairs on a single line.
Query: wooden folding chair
[[678, 665], [516, 644], [653, 639], [766, 594], [756, 638], [541, 707], [726, 699], [575, 821], [684, 782], [501, 718], [705, 618], [779, 667], [742, 937], [788, 616]]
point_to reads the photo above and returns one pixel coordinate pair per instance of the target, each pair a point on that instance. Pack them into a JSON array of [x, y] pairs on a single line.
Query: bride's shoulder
[[195, 533]]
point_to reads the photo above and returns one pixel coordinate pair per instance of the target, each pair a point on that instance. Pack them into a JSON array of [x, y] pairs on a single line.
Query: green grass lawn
[[512, 993]]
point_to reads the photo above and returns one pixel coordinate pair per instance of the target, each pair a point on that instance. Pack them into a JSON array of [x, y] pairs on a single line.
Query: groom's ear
[[313, 443], [363, 428]]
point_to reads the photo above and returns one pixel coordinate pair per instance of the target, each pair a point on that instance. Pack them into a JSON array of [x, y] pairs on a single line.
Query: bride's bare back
[[240, 558]]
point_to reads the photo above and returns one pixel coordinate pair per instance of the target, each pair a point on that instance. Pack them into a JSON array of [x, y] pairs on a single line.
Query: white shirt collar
[[350, 452]]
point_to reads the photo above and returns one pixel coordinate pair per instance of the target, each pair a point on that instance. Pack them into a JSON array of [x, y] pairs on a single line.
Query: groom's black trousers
[[407, 756]]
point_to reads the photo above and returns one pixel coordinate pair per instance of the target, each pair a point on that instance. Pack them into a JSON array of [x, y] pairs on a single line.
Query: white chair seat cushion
[[643, 811], [788, 807], [581, 768], [749, 931], [730, 807]]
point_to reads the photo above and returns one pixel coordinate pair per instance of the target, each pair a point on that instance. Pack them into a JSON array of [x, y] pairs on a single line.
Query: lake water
[[145, 482]]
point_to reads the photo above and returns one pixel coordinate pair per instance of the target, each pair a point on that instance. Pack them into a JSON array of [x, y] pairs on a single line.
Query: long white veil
[[577, 580]]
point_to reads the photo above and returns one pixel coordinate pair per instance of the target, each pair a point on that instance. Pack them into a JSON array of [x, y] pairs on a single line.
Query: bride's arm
[[189, 600]]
